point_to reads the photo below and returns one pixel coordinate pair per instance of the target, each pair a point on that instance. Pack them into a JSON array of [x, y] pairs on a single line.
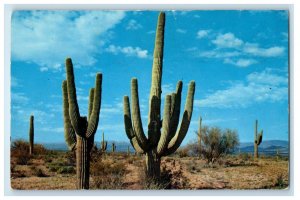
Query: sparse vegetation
[[216, 143]]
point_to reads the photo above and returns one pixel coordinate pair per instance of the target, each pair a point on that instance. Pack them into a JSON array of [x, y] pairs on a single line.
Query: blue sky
[[239, 60]]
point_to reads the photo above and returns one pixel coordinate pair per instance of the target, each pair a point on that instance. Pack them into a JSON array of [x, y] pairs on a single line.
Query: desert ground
[[55, 170]]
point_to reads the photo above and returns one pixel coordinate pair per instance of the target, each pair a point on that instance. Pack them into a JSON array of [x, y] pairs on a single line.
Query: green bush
[[66, 170]]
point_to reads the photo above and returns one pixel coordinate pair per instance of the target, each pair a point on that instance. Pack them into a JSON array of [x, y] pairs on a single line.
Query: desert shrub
[[36, 171], [280, 182], [245, 156], [216, 143], [20, 152], [193, 166], [183, 152], [71, 158], [66, 170], [107, 175], [40, 149]]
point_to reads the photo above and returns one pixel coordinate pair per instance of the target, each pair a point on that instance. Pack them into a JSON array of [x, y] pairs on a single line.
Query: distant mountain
[[121, 146], [268, 147], [267, 143]]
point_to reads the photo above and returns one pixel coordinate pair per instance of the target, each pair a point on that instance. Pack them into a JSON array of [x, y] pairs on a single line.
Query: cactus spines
[[31, 134], [79, 130], [257, 139], [103, 144], [164, 136]]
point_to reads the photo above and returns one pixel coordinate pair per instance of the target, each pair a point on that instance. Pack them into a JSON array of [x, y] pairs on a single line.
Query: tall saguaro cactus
[[80, 130], [103, 144], [257, 139], [163, 136], [31, 134]]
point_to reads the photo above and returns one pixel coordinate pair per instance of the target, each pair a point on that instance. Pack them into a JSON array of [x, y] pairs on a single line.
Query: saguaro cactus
[[163, 136], [103, 143], [31, 134], [113, 147], [257, 139], [80, 131]]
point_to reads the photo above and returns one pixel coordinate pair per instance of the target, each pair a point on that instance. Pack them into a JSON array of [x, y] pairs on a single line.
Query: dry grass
[[56, 170]]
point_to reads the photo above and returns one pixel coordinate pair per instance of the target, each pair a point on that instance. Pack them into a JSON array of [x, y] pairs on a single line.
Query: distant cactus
[[128, 150], [159, 142], [103, 144], [257, 139], [31, 135], [80, 131], [113, 147]]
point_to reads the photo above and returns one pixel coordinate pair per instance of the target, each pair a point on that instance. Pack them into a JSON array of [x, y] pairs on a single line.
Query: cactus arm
[[163, 141], [176, 110], [259, 137], [70, 136], [91, 100], [186, 119], [94, 119], [127, 118], [128, 126], [136, 116], [154, 121], [73, 105]]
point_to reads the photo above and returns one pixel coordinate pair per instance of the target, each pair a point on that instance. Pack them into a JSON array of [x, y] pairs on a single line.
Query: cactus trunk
[[80, 130], [152, 165], [255, 150], [82, 162], [31, 135], [257, 139]]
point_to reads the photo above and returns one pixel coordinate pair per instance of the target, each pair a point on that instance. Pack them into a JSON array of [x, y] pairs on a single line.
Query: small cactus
[[31, 135], [113, 147], [163, 136], [103, 144], [80, 130], [257, 139]]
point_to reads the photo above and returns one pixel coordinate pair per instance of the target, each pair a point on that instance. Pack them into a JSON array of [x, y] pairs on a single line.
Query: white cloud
[[167, 89], [48, 37], [133, 25], [227, 40], [14, 82], [255, 50], [51, 129], [151, 32], [128, 51], [23, 114], [259, 87], [240, 62], [229, 48], [219, 54], [203, 33], [44, 69], [285, 36], [179, 30], [19, 98], [82, 98]]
